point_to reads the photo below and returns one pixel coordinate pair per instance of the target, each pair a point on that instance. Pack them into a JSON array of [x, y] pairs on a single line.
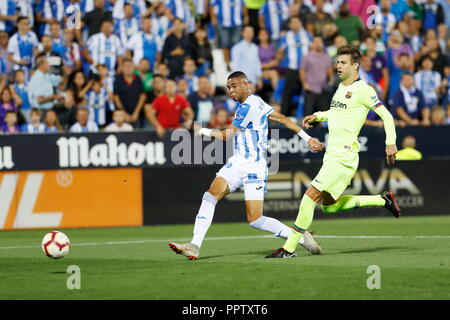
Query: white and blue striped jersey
[[250, 141], [228, 12], [50, 9], [98, 105], [105, 50], [138, 6], [90, 127], [428, 82], [160, 26], [29, 128], [181, 10], [200, 6], [25, 9], [295, 45], [145, 45], [7, 8], [125, 29], [274, 13], [22, 47]]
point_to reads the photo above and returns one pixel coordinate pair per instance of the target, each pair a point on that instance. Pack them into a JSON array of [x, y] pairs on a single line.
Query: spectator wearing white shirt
[[83, 124], [428, 81], [245, 57], [22, 46], [104, 48], [119, 124], [145, 44]]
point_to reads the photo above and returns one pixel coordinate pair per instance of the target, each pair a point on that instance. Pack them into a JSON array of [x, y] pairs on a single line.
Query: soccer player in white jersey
[[247, 167]]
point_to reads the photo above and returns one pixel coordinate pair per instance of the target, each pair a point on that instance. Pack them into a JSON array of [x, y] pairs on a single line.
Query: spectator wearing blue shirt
[[35, 125], [433, 15], [41, 87], [399, 8], [294, 45], [21, 89], [228, 16], [409, 103]]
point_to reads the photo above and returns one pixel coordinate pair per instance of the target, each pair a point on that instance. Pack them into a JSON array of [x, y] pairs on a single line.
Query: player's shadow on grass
[[367, 250], [264, 253]]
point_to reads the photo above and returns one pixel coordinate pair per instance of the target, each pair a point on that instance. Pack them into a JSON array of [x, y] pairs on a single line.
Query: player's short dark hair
[[21, 18], [353, 52], [238, 74]]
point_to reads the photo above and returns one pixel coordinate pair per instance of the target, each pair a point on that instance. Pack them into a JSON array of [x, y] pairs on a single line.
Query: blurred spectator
[[57, 38], [299, 8], [10, 125], [220, 120], [6, 67], [163, 70], [319, 20], [95, 18], [35, 125], [431, 48], [83, 124], [365, 73], [51, 122], [9, 101], [201, 52], [253, 9], [409, 151], [104, 48], [180, 9], [158, 87], [409, 104], [71, 56], [189, 76], [48, 11], [415, 10], [177, 46], [138, 6], [21, 89], [54, 59], [433, 15], [349, 26], [143, 71], [144, 44], [168, 109], [438, 116], [182, 87], [267, 56], [41, 87], [399, 8], [201, 101], [97, 103], [128, 26], [8, 15], [271, 17], [338, 42], [316, 75], [397, 66], [129, 93], [22, 46], [119, 124], [428, 81], [379, 68], [245, 57], [384, 20], [77, 87], [294, 45], [228, 20]]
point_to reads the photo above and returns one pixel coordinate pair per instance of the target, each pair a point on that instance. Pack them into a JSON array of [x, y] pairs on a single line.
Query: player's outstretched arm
[[316, 117], [224, 134], [389, 129], [313, 143]]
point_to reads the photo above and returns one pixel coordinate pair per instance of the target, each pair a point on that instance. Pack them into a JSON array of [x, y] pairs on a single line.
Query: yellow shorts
[[336, 173]]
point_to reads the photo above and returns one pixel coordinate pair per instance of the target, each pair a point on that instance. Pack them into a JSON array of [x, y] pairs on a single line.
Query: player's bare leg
[[218, 189]]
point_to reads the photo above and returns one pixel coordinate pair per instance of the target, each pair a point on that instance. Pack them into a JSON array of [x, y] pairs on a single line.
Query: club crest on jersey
[[349, 94]]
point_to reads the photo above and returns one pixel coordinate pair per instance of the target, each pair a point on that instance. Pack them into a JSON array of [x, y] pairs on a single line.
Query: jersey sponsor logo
[[337, 104], [349, 94]]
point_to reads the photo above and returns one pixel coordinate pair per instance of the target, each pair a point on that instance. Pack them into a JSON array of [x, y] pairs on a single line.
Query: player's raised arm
[[389, 129], [313, 143], [223, 134]]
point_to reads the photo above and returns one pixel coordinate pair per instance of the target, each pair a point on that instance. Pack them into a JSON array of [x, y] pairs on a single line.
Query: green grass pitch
[[136, 263]]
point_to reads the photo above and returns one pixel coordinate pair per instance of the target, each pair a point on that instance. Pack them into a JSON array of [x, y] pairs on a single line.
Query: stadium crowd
[[121, 65]]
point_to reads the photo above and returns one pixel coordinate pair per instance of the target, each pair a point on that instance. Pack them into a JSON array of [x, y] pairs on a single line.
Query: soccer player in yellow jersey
[[348, 111]]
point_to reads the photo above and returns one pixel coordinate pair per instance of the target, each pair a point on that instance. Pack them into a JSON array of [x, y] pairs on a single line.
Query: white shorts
[[251, 175]]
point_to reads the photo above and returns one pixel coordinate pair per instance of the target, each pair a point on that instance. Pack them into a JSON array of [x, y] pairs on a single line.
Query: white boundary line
[[232, 238]]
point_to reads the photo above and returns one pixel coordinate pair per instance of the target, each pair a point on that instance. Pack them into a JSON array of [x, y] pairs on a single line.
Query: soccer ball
[[55, 244]]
